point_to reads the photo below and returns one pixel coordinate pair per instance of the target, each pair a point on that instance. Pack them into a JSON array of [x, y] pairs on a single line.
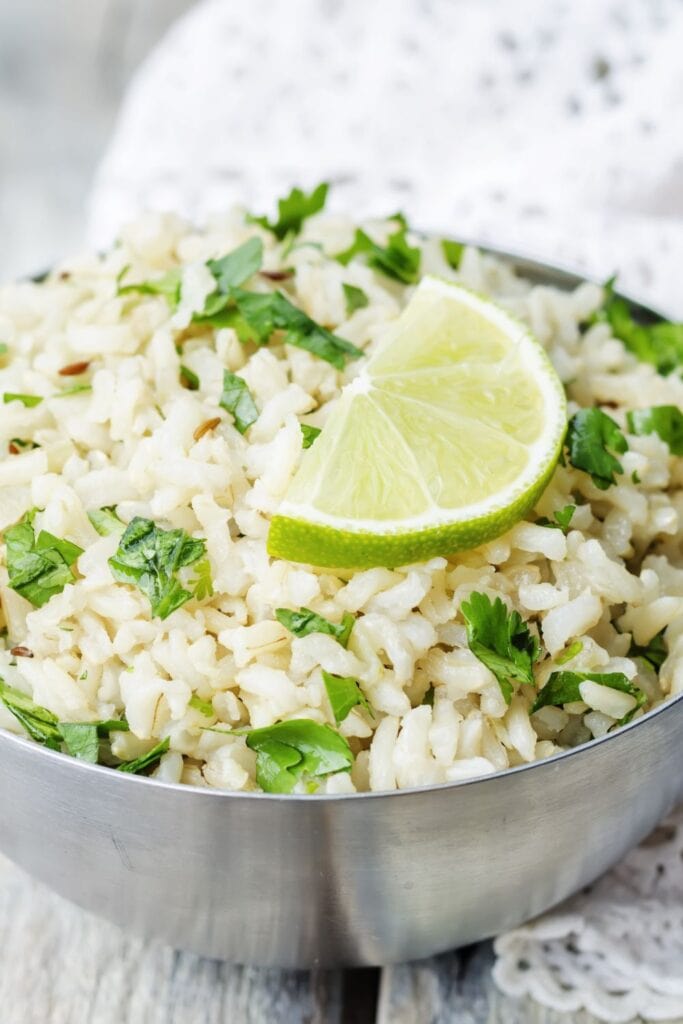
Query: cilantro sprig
[[562, 517], [501, 640], [38, 566], [308, 434], [297, 750], [397, 259], [149, 558], [238, 401], [664, 420], [344, 693], [655, 652], [565, 688], [304, 622], [659, 343], [293, 210], [592, 438], [105, 520]]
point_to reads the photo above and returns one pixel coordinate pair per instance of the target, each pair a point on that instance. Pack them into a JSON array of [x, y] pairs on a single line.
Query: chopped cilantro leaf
[[237, 400], [105, 520], [571, 652], [397, 259], [665, 420], [297, 750], [28, 400], [660, 343], [202, 584], [204, 707], [146, 761], [654, 652], [39, 566], [562, 518], [355, 298], [40, 724], [592, 436], [304, 622], [238, 266], [309, 434], [453, 252], [501, 641], [73, 389], [168, 285], [149, 558], [344, 693], [189, 379], [81, 740], [564, 688], [293, 211]]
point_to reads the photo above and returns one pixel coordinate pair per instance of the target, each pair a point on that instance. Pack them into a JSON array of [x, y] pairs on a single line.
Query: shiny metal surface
[[361, 879]]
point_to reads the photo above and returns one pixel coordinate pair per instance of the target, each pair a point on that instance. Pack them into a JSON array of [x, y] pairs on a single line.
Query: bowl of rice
[[275, 762]]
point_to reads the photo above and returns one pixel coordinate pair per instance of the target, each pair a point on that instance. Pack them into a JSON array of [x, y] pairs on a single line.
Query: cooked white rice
[[98, 654]]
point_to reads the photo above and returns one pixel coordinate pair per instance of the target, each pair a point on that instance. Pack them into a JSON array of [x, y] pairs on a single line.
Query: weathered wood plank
[[63, 966], [457, 988]]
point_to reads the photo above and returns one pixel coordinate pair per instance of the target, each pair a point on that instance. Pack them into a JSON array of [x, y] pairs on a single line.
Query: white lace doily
[[547, 126]]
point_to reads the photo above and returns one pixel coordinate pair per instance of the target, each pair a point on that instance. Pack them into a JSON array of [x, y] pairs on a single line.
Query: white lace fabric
[[547, 127]]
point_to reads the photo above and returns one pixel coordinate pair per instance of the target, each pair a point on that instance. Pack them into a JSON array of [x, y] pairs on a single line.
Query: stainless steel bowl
[[367, 879]]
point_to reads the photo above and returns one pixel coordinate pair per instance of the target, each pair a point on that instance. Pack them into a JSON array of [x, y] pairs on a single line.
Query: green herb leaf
[[660, 343], [237, 400], [309, 434], [237, 266], [665, 420], [168, 285], [81, 740], [501, 641], [149, 558], [39, 567], [355, 298], [298, 749], [105, 520], [592, 436], [564, 688], [293, 211], [344, 693], [397, 259], [28, 400], [20, 445], [654, 652], [202, 584], [304, 622], [574, 648], [205, 707], [189, 379], [562, 519], [73, 389], [453, 252], [146, 761], [40, 724]]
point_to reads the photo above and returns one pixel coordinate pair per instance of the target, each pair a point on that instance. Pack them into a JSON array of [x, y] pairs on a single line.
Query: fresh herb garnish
[[562, 518], [149, 558], [168, 285], [30, 401], [297, 750], [146, 761], [453, 252], [574, 648], [202, 584], [39, 566], [17, 445], [105, 520], [73, 389], [564, 688], [654, 652], [293, 211], [189, 379], [237, 400], [304, 622], [397, 259], [660, 343], [238, 266], [355, 298], [309, 434], [592, 437], [81, 740], [204, 707], [665, 420], [344, 693], [500, 640]]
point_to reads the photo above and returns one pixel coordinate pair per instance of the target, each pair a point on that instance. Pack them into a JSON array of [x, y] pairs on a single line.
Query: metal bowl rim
[[574, 277]]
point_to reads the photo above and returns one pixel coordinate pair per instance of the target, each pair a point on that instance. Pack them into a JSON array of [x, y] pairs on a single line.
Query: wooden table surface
[[60, 965]]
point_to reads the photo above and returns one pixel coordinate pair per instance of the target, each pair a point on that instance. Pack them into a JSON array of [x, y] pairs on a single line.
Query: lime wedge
[[446, 438]]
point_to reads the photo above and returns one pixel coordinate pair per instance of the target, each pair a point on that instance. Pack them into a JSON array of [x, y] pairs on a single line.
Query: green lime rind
[[311, 543]]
